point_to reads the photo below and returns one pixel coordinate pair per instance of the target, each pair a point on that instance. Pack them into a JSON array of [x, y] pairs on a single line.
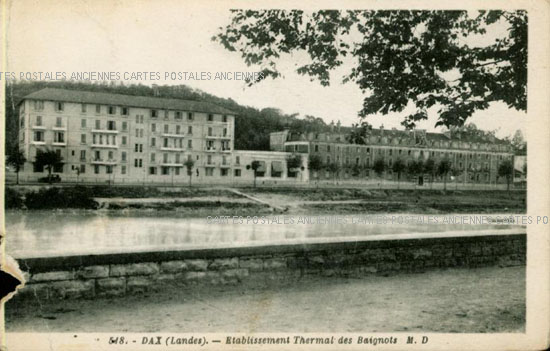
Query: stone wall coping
[[153, 254]]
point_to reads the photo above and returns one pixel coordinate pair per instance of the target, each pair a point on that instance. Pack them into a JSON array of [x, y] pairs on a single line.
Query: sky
[[140, 36]]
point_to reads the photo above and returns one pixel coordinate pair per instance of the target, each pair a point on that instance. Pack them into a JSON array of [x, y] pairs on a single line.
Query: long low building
[[115, 138], [472, 159]]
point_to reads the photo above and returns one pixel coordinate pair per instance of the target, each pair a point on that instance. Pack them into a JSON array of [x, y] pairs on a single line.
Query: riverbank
[[254, 201], [446, 301]]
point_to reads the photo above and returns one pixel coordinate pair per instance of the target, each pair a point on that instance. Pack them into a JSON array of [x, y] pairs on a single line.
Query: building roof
[[90, 97], [454, 136]]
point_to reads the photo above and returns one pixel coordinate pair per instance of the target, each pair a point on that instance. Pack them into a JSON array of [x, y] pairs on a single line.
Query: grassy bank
[[296, 200], [344, 201], [83, 196]]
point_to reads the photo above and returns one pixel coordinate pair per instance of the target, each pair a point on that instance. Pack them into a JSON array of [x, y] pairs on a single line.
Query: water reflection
[[47, 233]]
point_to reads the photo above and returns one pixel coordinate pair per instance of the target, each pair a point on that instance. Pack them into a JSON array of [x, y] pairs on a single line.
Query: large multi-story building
[[474, 159], [125, 138]]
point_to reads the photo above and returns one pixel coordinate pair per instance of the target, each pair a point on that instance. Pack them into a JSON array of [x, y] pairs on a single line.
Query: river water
[[54, 233]]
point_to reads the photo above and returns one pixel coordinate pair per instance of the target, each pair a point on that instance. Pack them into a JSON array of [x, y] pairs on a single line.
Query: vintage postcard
[[234, 175]]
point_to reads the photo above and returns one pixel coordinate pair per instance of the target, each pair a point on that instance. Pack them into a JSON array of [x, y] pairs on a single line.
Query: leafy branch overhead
[[400, 58]]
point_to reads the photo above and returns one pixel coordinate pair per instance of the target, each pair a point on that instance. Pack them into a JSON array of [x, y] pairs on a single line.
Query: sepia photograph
[[228, 176]]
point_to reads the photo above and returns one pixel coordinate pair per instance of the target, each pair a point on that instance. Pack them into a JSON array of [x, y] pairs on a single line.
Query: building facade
[[472, 159], [121, 138]]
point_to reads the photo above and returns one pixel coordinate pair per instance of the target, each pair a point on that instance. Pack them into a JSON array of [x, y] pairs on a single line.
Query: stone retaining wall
[[128, 273]]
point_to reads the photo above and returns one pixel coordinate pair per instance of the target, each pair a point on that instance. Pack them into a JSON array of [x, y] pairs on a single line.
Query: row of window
[[166, 157], [400, 152], [111, 125], [367, 162], [416, 141], [125, 111], [111, 140]]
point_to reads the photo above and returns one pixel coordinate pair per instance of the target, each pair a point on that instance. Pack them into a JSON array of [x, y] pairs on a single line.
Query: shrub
[[13, 199], [49, 198]]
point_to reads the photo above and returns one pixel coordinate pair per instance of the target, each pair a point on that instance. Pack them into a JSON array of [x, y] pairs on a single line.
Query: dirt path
[[457, 300]]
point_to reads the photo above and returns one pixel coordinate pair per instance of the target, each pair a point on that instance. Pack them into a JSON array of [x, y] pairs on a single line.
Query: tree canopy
[[315, 163], [398, 58], [506, 169], [379, 166], [49, 159], [294, 161]]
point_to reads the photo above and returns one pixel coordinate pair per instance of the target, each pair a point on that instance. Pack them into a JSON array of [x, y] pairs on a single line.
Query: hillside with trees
[[252, 125]]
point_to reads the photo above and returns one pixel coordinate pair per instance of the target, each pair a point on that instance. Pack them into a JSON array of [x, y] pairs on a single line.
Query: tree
[[334, 168], [294, 161], [398, 167], [415, 168], [189, 164], [506, 169], [443, 168], [48, 159], [471, 130], [379, 166], [398, 57], [455, 172], [315, 163], [77, 171], [429, 168], [518, 143], [16, 159], [359, 132], [254, 165], [356, 170]]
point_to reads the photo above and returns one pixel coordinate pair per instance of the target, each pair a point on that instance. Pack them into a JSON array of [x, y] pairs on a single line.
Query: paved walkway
[[256, 199], [455, 300]]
